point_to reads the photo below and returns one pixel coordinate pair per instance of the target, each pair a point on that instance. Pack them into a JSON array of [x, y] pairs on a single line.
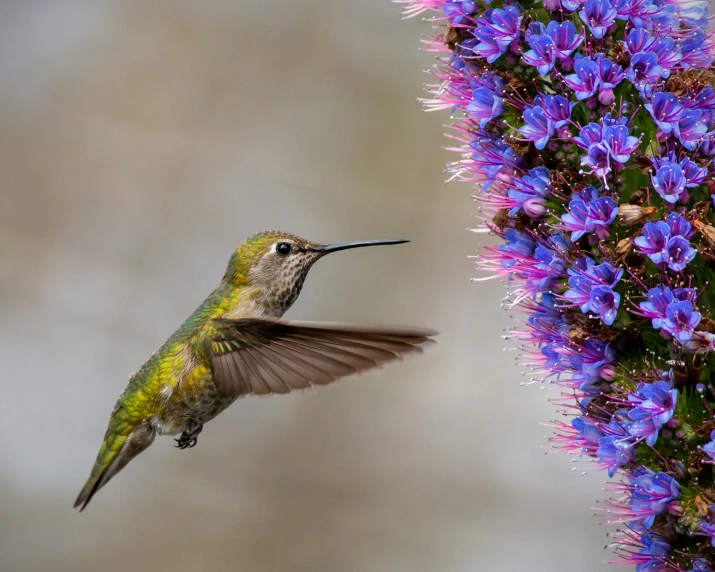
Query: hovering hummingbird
[[235, 345]]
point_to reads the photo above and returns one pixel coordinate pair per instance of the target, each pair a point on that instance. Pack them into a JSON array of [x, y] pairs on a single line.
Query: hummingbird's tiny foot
[[188, 437]]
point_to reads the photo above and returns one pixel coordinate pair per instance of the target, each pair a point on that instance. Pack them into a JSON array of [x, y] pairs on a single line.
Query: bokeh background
[[139, 143]]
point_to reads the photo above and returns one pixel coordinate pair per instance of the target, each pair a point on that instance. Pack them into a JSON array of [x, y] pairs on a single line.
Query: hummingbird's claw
[[187, 440]]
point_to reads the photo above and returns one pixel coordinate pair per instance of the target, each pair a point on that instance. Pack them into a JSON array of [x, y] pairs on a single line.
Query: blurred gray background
[[139, 143]]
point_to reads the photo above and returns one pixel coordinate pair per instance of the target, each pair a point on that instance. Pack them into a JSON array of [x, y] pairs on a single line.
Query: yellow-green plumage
[[179, 388]]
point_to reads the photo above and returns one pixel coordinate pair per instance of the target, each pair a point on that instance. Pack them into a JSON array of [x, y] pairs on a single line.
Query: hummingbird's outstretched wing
[[252, 356]]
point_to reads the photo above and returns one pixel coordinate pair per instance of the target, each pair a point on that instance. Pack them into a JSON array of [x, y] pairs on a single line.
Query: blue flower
[[695, 51], [651, 493], [669, 181], [565, 38], [598, 15], [668, 54], [541, 53], [591, 288], [458, 11], [485, 105], [589, 212], [538, 128], [609, 76], [644, 70], [616, 449], [700, 565], [650, 558], [585, 80], [619, 143], [571, 5], [556, 108], [667, 111], [678, 253], [589, 432], [518, 244], [709, 448], [691, 130], [598, 159], [694, 174], [604, 302], [703, 100], [660, 299], [666, 243], [639, 40], [605, 142], [709, 530], [653, 240], [681, 319], [654, 407], [496, 30], [530, 191]]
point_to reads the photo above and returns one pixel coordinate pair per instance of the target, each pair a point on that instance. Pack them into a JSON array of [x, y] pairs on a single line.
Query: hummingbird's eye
[[283, 248]]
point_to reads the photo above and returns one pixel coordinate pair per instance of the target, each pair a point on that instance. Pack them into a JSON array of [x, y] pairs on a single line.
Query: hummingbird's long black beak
[[358, 244]]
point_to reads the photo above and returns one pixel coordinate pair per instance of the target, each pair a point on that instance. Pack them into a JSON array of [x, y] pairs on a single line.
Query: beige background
[[139, 143]]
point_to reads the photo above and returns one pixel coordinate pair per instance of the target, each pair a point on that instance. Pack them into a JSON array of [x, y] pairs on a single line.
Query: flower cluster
[[587, 128]]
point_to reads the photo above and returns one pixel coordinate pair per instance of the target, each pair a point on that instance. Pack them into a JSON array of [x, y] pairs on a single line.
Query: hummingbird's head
[[276, 263]]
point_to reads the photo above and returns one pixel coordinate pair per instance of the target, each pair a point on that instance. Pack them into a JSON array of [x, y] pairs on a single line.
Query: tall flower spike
[[588, 130]]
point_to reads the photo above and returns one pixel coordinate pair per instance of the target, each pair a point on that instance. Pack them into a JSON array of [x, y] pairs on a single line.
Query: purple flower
[[599, 160], [556, 108], [653, 240], [603, 143], [668, 54], [678, 225], [691, 130], [616, 449], [669, 181], [571, 5], [609, 76], [651, 493], [666, 243], [666, 111], [678, 253], [588, 433], [700, 565], [541, 55], [589, 212], [650, 558], [518, 245], [619, 143], [680, 320], [538, 128], [639, 40], [458, 11], [695, 50], [585, 80], [644, 70], [694, 174], [485, 105], [496, 30], [530, 191], [709, 530], [654, 407], [598, 15], [603, 301], [565, 38], [592, 289], [709, 448], [660, 298], [589, 136]]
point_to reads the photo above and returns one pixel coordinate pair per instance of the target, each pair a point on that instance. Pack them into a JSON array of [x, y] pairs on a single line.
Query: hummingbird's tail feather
[[116, 451]]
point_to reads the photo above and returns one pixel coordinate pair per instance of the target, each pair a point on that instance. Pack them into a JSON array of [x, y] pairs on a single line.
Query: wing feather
[[264, 356]]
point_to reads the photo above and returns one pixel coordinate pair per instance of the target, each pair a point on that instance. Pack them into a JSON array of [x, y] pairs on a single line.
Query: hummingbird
[[235, 345]]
